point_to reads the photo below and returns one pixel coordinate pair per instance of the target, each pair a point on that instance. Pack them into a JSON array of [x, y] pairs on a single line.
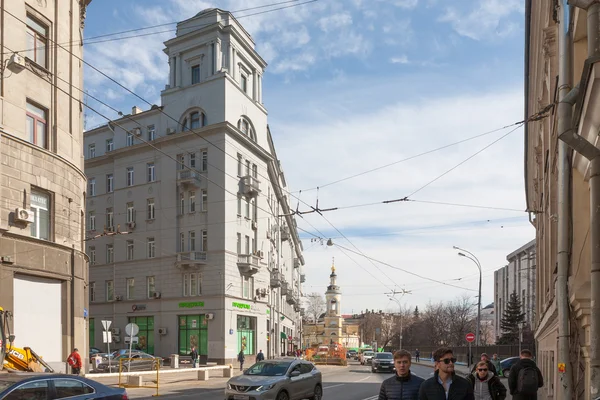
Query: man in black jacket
[[491, 366], [523, 387], [404, 385], [445, 384]]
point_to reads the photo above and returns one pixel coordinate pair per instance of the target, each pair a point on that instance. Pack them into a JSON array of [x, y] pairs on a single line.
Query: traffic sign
[[470, 337], [106, 337], [106, 325], [132, 329], [133, 339]]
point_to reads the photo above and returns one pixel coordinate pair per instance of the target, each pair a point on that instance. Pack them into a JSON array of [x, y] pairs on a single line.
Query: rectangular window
[[247, 287], [37, 122], [110, 254], [151, 248], [92, 186], [92, 150], [247, 208], [110, 221], [130, 250], [92, 255], [240, 165], [151, 133], [150, 284], [254, 210], [151, 172], [204, 205], [254, 171], [40, 205], [204, 240], [204, 160], [150, 208], [92, 223], [192, 202], [129, 176], [192, 242], [239, 243], [130, 212], [110, 145], [195, 74], [244, 83], [130, 288], [110, 290], [247, 244], [180, 161], [181, 203], [110, 183], [192, 285], [192, 158], [248, 164], [181, 242], [92, 292], [129, 139], [239, 205], [195, 120], [37, 41]]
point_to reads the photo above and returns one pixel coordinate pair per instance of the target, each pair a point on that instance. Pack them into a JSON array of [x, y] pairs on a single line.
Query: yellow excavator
[[14, 358]]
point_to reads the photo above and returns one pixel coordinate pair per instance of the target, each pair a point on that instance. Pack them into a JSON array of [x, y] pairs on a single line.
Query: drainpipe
[[565, 123]]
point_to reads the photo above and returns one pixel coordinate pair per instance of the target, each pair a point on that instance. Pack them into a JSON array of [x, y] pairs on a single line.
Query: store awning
[[283, 335]]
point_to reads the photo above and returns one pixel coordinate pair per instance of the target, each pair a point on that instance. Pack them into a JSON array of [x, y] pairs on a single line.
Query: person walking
[[445, 384], [260, 356], [525, 378], [241, 359], [485, 358], [404, 385], [74, 360], [496, 362], [486, 385], [417, 355], [194, 355]]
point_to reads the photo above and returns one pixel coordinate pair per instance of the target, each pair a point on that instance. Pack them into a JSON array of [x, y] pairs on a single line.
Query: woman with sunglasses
[[486, 385]]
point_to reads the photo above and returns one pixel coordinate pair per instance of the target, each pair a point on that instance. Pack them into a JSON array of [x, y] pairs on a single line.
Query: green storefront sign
[[241, 305], [191, 304]]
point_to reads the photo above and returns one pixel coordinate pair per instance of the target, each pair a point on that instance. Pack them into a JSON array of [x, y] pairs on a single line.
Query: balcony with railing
[[188, 177], [250, 186], [249, 263], [292, 297], [276, 279], [191, 259], [285, 289], [296, 263], [302, 278], [285, 233]]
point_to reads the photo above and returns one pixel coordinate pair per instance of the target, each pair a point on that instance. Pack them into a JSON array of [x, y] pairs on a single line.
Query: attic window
[[247, 129], [194, 120]]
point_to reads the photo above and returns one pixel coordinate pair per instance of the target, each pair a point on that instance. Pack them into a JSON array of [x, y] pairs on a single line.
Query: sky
[[354, 85]]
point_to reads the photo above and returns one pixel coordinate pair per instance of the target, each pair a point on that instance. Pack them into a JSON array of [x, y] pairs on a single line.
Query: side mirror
[[294, 373]]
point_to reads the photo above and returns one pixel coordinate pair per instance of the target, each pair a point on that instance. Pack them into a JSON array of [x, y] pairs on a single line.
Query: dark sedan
[[19, 386], [506, 364], [382, 362]]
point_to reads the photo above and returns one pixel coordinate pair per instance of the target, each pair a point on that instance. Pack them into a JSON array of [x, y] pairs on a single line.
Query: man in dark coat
[[531, 376], [260, 356], [404, 385], [486, 383], [241, 358], [445, 384]]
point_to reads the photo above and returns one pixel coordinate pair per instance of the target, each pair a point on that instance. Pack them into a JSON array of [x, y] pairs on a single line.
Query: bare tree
[[315, 306]]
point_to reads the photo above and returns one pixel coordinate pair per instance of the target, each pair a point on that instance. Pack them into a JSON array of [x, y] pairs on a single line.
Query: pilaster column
[[255, 85], [218, 58], [230, 59], [178, 63]]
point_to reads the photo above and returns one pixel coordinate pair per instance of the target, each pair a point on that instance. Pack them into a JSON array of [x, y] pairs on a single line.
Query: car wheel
[[506, 373], [373, 370], [283, 396], [318, 394]]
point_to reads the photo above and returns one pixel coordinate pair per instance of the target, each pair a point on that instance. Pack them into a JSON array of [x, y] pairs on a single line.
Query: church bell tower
[[333, 315]]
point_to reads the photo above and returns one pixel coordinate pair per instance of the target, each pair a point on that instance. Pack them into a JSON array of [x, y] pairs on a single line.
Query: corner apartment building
[[541, 184], [519, 277], [194, 238], [43, 267]]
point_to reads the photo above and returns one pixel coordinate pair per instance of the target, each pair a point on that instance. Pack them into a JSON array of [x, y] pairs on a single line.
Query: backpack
[[71, 361], [527, 381]]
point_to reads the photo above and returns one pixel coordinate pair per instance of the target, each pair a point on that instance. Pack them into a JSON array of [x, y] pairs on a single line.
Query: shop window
[[146, 333], [193, 332], [246, 332]]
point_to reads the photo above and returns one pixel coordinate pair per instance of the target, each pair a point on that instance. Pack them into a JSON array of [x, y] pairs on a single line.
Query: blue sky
[[355, 84]]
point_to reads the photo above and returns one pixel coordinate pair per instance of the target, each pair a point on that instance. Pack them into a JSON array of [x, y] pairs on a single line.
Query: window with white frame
[[239, 243], [92, 186], [92, 150], [110, 183], [110, 290], [37, 41], [254, 171], [195, 74], [181, 203], [204, 234], [192, 160], [180, 161], [151, 172], [130, 212], [151, 247], [130, 250], [151, 133], [37, 125], [129, 176], [247, 244], [150, 209], [110, 221], [192, 284], [204, 165], [181, 242], [192, 240], [192, 201], [248, 166], [151, 286], [110, 145], [110, 254], [239, 205], [240, 166], [204, 205], [92, 289], [40, 205], [244, 82], [247, 287], [92, 221], [254, 210], [92, 255], [247, 129], [130, 288], [247, 201], [129, 141]]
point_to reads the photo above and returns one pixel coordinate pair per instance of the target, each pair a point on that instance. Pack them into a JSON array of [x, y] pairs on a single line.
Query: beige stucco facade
[[43, 269]]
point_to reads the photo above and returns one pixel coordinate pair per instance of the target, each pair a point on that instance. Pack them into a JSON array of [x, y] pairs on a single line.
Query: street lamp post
[[472, 257]]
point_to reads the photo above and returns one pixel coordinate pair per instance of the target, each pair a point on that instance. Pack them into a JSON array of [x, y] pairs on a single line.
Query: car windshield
[[368, 353], [385, 356], [268, 368]]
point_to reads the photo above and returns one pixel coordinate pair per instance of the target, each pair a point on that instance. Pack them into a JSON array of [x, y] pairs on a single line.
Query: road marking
[[332, 386], [371, 398], [364, 379]]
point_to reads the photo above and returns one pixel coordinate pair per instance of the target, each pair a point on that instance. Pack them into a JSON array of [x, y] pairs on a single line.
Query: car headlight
[[229, 386], [264, 388]]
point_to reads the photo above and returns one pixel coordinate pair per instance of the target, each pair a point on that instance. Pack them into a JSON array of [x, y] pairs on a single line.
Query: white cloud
[[335, 21], [408, 4], [399, 60], [299, 62]]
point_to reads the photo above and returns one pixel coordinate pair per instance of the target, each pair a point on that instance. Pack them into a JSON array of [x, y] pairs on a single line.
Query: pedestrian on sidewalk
[[417, 355], [241, 359], [74, 360], [496, 362], [486, 385], [404, 385], [194, 355], [445, 384], [260, 356], [525, 378], [485, 358]]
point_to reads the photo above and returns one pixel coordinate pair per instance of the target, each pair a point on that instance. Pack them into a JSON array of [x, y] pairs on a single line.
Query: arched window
[[247, 128], [333, 305], [193, 120]]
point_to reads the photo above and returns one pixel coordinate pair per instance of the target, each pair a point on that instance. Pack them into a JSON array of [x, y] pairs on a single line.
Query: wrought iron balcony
[[187, 177], [285, 233], [191, 259], [292, 297], [285, 289], [249, 263], [276, 279], [250, 186], [296, 263], [302, 278]]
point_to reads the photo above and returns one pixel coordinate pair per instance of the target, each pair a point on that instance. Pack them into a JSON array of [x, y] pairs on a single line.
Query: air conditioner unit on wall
[[170, 131], [16, 62], [137, 131], [131, 225], [118, 298], [24, 215], [209, 315], [157, 295], [116, 331], [162, 331]]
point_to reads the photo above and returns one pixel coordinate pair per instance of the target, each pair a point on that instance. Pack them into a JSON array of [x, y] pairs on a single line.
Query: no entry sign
[[470, 337]]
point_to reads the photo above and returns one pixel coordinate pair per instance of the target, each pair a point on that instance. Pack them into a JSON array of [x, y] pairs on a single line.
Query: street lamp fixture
[[472, 257]]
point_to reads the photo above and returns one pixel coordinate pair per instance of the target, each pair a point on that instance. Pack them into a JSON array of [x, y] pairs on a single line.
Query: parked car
[[140, 361], [20, 385], [506, 364], [351, 354], [366, 357], [279, 379], [382, 362]]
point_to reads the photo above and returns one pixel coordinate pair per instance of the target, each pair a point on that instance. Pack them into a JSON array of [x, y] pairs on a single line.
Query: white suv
[[366, 357]]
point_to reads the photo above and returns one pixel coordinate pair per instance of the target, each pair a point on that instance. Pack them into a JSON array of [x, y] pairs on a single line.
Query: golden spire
[[333, 265]]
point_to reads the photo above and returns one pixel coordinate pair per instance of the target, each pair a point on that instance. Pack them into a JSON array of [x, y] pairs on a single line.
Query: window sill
[[150, 221]]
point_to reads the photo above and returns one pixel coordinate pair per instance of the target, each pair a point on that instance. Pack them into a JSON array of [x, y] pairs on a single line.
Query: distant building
[[488, 325], [518, 276]]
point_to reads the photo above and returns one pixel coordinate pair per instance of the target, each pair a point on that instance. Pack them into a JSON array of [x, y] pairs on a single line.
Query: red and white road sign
[[470, 337]]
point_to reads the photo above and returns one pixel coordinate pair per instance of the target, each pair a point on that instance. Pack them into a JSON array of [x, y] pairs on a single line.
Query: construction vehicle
[[327, 354], [14, 358]]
